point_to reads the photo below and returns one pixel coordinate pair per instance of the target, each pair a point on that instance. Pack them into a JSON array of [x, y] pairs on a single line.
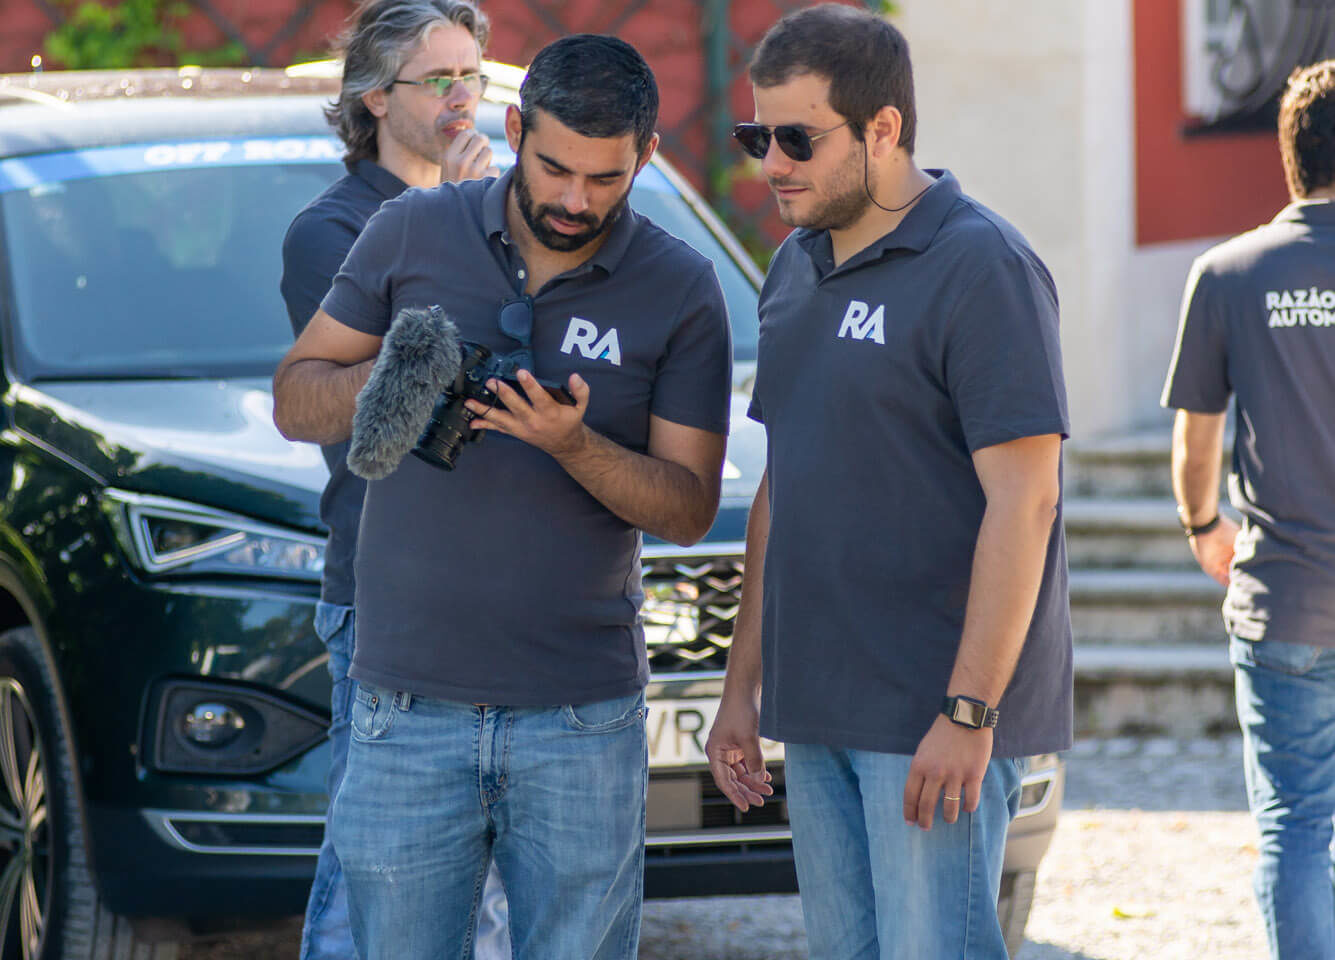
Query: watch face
[[969, 713]]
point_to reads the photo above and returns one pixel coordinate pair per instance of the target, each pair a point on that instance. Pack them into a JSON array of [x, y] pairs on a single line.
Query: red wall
[[1203, 186]]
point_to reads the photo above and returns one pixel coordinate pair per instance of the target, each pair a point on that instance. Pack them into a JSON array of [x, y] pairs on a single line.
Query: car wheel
[[49, 907], [1013, 903]]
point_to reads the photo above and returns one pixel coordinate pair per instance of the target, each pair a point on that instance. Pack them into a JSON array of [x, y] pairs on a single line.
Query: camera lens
[[446, 432]]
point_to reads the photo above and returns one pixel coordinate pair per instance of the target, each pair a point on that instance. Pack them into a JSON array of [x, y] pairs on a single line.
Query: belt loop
[[405, 700]]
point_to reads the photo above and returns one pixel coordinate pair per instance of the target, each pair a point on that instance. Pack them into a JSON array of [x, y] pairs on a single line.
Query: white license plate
[[678, 730]]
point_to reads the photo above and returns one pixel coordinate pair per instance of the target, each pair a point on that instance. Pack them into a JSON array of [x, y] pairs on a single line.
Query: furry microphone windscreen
[[418, 359]]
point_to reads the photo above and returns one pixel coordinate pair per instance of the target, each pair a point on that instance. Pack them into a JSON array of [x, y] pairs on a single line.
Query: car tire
[[1013, 903], [49, 905]]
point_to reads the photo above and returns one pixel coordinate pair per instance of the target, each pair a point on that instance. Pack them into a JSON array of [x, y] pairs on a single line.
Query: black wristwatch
[[968, 712]]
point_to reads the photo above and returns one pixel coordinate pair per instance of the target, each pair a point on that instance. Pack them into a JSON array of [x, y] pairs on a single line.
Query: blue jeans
[[874, 887], [435, 790], [326, 934], [1286, 706]]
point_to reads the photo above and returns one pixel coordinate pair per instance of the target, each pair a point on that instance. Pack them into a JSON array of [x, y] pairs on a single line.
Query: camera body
[[450, 424]]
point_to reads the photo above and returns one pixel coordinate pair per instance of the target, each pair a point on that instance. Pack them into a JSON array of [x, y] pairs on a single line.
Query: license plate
[[678, 730]]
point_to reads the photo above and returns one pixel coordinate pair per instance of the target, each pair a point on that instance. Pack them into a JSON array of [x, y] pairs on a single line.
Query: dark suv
[[163, 699]]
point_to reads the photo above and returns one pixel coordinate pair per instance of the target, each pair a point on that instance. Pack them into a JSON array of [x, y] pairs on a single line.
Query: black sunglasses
[[794, 141], [516, 322]]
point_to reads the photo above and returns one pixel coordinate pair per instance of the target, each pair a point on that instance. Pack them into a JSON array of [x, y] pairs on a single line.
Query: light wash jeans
[[436, 790], [876, 888], [326, 934], [1286, 706]]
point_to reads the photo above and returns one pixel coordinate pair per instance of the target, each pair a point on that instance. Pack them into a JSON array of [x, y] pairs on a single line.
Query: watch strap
[[1196, 531]]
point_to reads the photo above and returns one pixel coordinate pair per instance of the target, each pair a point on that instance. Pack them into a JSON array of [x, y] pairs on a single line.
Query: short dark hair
[[597, 86], [1307, 128], [383, 37], [865, 59]]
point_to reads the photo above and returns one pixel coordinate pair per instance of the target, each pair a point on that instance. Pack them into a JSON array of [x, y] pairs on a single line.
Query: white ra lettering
[[858, 325], [584, 335], [1271, 300]]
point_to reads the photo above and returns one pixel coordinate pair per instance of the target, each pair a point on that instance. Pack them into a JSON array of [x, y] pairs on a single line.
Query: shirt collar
[[1316, 213], [608, 256], [915, 232], [381, 180]]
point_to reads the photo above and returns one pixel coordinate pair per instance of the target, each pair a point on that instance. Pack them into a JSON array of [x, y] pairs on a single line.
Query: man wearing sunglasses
[[411, 85], [500, 711], [910, 385]]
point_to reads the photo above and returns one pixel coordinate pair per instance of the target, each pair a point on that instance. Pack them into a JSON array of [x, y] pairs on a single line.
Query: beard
[[846, 199], [549, 237]]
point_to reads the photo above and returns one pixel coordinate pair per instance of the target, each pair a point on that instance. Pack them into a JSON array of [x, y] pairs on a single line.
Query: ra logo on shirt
[[861, 323], [584, 337]]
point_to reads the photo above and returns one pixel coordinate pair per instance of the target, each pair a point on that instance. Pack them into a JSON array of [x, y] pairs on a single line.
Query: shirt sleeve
[[1003, 355], [1198, 374], [362, 293], [693, 382], [313, 250]]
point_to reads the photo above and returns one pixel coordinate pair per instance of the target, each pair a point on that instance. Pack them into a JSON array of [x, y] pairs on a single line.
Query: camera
[[450, 424]]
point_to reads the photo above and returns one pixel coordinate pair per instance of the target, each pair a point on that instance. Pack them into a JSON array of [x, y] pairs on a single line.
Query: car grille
[[690, 608], [691, 802], [717, 811]]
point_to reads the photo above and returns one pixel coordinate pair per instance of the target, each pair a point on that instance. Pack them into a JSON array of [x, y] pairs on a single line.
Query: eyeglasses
[[516, 322], [794, 141], [474, 83]]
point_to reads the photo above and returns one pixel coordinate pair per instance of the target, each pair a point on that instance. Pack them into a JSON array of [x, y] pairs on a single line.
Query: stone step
[[1145, 607], [1130, 532], [1134, 464], [1174, 690]]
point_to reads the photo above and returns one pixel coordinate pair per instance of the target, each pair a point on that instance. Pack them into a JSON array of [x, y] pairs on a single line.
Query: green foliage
[[132, 33]]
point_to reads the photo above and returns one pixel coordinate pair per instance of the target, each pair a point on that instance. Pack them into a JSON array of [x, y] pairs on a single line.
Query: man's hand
[[949, 765], [555, 428], [1214, 550], [734, 754], [468, 157]]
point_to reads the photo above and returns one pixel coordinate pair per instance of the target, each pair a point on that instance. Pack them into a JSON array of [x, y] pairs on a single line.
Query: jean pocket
[[1279, 656], [373, 711], [330, 618], [605, 716]]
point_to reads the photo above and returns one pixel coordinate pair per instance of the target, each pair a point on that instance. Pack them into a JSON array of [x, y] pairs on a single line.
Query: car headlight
[[160, 534]]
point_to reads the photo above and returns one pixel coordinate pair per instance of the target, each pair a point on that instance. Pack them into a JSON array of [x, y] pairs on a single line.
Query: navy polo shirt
[[1258, 322], [316, 244], [504, 581], [876, 382]]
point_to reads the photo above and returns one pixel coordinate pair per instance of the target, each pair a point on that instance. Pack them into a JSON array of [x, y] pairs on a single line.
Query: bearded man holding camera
[[501, 668]]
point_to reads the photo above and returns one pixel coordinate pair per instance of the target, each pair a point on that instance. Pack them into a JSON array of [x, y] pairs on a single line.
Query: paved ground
[[1152, 858]]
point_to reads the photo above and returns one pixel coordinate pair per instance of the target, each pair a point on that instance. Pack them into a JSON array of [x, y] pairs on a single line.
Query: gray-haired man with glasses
[[411, 84]]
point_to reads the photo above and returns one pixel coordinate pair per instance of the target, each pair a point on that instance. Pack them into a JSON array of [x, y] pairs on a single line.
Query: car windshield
[[163, 260]]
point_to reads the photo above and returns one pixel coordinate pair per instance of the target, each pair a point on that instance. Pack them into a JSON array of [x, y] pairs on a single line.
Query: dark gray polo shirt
[[1258, 322], [876, 382], [316, 244], [504, 581]]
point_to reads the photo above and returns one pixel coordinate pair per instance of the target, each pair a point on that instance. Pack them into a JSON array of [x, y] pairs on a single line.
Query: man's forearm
[[1007, 573], [657, 496], [314, 400], [744, 662], [1198, 449]]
